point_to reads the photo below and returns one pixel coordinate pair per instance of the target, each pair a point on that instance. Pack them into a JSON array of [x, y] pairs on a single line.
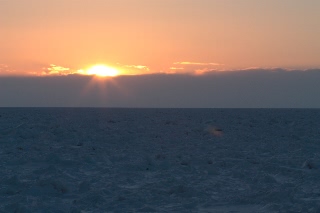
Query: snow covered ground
[[159, 160]]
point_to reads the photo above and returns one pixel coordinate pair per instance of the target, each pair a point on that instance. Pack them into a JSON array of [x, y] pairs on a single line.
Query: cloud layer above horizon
[[234, 89]]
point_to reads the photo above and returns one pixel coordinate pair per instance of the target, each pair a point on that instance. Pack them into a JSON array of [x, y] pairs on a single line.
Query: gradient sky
[[38, 36]]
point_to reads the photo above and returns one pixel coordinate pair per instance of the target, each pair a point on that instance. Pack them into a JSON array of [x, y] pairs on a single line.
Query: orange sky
[[143, 36]]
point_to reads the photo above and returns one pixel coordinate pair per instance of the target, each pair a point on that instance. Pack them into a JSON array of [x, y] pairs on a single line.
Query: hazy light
[[103, 71]]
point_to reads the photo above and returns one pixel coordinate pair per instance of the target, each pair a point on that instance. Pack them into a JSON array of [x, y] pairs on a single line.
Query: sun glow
[[102, 71]]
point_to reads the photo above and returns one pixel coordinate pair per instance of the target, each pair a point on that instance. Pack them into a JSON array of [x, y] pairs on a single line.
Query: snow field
[[159, 160]]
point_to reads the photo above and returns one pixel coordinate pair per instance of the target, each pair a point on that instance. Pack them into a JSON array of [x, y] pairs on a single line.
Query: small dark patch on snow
[[147, 209], [309, 164], [171, 123], [184, 162], [121, 198], [55, 184], [160, 157], [180, 189], [80, 144], [84, 186], [74, 210], [16, 208]]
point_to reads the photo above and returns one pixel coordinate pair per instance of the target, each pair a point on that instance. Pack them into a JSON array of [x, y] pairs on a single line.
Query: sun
[[102, 71]]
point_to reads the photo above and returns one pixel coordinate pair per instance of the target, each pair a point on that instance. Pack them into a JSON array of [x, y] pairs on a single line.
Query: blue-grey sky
[[254, 88]]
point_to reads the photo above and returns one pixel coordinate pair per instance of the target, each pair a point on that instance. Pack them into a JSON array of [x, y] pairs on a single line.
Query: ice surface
[[159, 160]]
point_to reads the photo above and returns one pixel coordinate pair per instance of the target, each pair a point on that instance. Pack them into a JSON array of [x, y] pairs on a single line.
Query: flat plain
[[159, 160]]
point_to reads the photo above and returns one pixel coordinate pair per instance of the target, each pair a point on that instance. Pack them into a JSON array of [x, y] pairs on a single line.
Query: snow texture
[[159, 160]]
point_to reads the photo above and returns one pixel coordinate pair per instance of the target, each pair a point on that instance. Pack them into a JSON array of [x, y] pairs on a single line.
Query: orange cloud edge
[[184, 67]]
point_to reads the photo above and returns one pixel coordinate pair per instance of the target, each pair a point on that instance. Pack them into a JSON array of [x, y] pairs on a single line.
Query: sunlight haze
[[157, 36]]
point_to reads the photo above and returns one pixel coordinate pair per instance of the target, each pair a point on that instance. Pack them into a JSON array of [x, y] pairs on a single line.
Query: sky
[[163, 53], [237, 89], [158, 36]]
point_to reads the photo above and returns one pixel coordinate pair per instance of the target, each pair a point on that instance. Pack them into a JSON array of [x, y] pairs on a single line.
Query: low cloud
[[3, 66], [254, 88], [196, 63], [140, 67], [6, 70], [56, 70], [176, 68], [194, 67], [134, 69]]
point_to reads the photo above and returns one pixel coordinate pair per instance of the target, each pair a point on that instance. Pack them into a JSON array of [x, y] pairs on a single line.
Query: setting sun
[[103, 71]]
